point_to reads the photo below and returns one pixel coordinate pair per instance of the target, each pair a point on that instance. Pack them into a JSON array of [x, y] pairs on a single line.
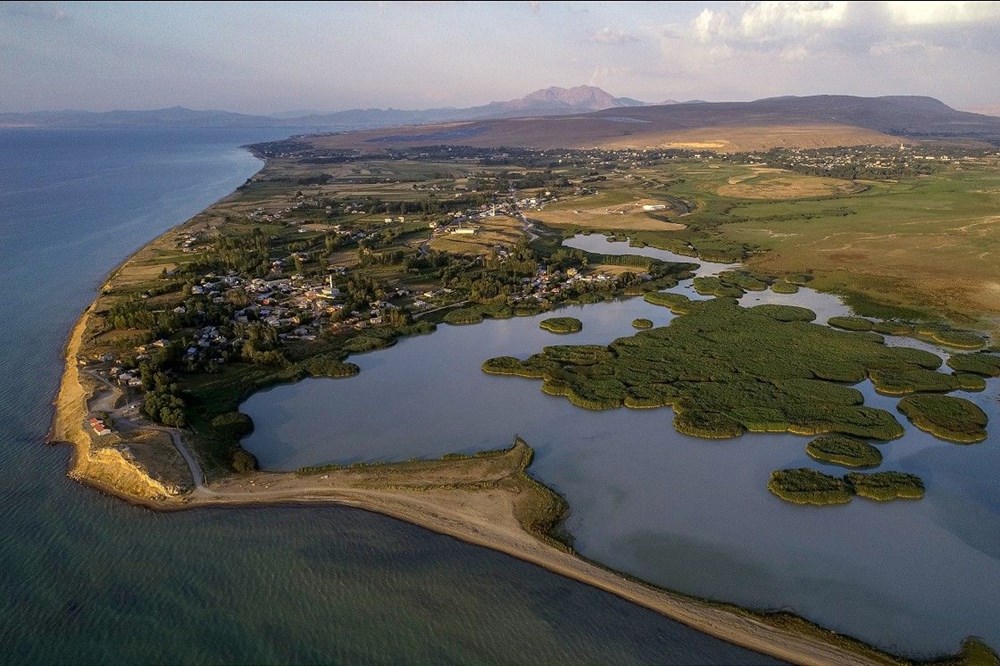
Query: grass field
[[930, 243], [920, 247]]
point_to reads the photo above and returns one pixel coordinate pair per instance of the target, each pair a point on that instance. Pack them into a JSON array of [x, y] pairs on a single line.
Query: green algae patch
[[807, 486], [946, 417], [561, 325], [726, 370], [845, 451], [642, 324], [851, 323], [885, 486], [980, 363]]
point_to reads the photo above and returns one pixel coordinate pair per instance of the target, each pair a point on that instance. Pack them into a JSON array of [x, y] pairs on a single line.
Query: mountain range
[[546, 102], [588, 116]]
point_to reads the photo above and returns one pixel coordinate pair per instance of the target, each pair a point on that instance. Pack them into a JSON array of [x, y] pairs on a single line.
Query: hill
[[808, 122]]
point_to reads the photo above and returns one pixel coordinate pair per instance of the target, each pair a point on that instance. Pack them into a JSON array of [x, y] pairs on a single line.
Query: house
[[98, 426]]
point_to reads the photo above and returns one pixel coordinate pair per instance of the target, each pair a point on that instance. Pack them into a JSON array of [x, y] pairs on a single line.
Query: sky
[[276, 57]]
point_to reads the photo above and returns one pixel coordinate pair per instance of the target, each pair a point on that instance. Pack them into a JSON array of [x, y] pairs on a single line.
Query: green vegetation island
[[845, 451], [561, 325], [329, 252], [807, 486]]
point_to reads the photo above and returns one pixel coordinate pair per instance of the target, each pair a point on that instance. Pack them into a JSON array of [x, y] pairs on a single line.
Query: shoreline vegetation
[[179, 449]]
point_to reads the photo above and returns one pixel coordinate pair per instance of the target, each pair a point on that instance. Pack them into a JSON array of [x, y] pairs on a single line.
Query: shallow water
[[85, 578], [682, 512]]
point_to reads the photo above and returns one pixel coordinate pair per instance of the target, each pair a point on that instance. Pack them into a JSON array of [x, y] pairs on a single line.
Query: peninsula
[[329, 252]]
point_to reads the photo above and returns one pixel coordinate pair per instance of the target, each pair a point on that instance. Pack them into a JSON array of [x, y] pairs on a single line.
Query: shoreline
[[483, 518], [473, 515]]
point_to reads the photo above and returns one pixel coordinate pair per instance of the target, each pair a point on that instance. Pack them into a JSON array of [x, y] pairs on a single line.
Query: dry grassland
[[490, 232], [598, 132], [626, 216], [767, 184]]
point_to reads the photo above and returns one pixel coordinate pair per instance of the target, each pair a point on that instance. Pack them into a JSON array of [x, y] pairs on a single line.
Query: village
[[302, 299]]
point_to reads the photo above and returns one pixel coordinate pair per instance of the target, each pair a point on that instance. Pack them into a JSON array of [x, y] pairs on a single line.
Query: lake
[[685, 513]]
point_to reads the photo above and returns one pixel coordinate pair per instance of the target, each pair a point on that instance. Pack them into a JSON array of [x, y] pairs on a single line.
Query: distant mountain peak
[[582, 98]]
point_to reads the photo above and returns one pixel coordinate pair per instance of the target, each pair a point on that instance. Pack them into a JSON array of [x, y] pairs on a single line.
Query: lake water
[[686, 513], [85, 578]]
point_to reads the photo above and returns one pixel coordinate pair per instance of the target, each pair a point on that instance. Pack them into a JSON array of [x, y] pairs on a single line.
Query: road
[[104, 401]]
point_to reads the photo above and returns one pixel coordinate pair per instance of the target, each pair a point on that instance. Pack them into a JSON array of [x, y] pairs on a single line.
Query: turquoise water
[[685, 513], [85, 578]]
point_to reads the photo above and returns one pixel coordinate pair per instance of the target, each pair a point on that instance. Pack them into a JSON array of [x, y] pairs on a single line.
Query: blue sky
[[264, 57]]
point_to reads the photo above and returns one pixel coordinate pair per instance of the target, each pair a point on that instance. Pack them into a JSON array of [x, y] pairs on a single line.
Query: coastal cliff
[[110, 465]]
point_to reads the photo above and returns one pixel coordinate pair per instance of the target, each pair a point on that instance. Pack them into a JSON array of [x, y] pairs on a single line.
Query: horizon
[[303, 114], [263, 58]]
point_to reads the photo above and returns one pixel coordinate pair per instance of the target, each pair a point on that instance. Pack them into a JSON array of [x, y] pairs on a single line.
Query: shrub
[[233, 424], [244, 462], [463, 316]]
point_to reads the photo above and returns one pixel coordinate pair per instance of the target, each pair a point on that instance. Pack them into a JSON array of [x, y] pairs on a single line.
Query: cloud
[[768, 22], [535, 6], [796, 30], [941, 13], [611, 36], [600, 76]]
